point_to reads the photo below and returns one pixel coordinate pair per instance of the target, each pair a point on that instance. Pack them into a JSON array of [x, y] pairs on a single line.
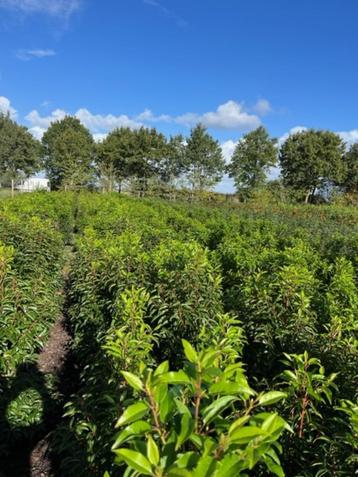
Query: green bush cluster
[[31, 259], [149, 273], [267, 298]]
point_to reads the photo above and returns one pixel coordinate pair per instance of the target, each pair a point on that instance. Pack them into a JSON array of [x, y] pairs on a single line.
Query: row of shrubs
[[32, 238], [267, 297], [148, 274]]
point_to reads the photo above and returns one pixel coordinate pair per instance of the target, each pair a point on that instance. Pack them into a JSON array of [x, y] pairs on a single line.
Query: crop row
[[274, 289], [148, 274]]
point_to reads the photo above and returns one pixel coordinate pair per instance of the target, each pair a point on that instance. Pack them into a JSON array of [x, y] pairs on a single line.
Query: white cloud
[[349, 137], [262, 107], [95, 122], [62, 8], [285, 136], [26, 55], [37, 132], [99, 137], [44, 121], [230, 115], [228, 148], [5, 107], [148, 116]]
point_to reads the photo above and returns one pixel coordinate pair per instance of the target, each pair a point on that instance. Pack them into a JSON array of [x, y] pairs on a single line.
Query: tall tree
[[149, 151], [312, 159], [173, 163], [204, 159], [254, 154], [19, 151], [113, 157], [68, 154], [350, 182]]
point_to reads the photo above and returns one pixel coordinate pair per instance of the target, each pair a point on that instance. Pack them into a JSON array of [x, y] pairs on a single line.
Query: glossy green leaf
[[133, 380], [134, 429], [152, 451], [186, 428], [189, 351], [216, 407], [271, 398], [133, 413], [135, 460]]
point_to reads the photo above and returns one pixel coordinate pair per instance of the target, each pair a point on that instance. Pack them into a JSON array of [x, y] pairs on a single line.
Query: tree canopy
[[68, 153], [19, 150], [254, 154], [350, 182], [204, 159], [312, 159]]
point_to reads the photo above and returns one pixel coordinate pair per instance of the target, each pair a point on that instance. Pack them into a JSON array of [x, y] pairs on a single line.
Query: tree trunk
[[12, 188], [307, 198]]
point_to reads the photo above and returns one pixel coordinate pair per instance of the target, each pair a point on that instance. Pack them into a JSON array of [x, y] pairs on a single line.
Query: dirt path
[[51, 360]]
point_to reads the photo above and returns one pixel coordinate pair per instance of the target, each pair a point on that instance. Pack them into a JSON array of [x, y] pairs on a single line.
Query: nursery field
[[147, 337]]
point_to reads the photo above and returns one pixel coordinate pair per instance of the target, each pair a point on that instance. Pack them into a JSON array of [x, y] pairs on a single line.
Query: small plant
[[308, 386], [203, 420]]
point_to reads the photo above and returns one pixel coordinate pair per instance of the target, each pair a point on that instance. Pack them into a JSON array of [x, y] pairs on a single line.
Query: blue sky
[[232, 64]]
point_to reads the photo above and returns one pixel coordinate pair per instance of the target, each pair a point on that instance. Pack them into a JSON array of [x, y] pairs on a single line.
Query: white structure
[[32, 184]]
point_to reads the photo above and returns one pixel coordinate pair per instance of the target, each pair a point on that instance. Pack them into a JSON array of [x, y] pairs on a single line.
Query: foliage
[[204, 159], [68, 153], [19, 151], [254, 154], [255, 282], [311, 159], [200, 420], [350, 183]]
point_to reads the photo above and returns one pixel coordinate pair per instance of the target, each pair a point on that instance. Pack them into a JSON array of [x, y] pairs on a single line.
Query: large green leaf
[[246, 434], [206, 467], [189, 351], [134, 429], [186, 428], [135, 459], [175, 377], [133, 413], [271, 398], [152, 451], [216, 407], [133, 380]]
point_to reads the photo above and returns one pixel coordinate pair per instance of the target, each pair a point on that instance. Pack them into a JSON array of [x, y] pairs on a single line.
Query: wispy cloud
[[262, 107], [167, 12], [56, 8], [26, 55]]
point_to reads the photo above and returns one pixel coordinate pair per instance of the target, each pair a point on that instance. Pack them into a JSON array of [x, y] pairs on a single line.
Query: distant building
[[32, 184]]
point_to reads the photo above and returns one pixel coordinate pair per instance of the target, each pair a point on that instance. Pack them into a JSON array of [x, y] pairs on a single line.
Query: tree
[[350, 182], [19, 151], [254, 154], [149, 150], [173, 164], [68, 153], [113, 157], [204, 159], [312, 159]]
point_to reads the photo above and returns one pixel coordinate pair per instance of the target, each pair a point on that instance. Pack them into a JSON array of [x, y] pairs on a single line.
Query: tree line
[[310, 161]]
